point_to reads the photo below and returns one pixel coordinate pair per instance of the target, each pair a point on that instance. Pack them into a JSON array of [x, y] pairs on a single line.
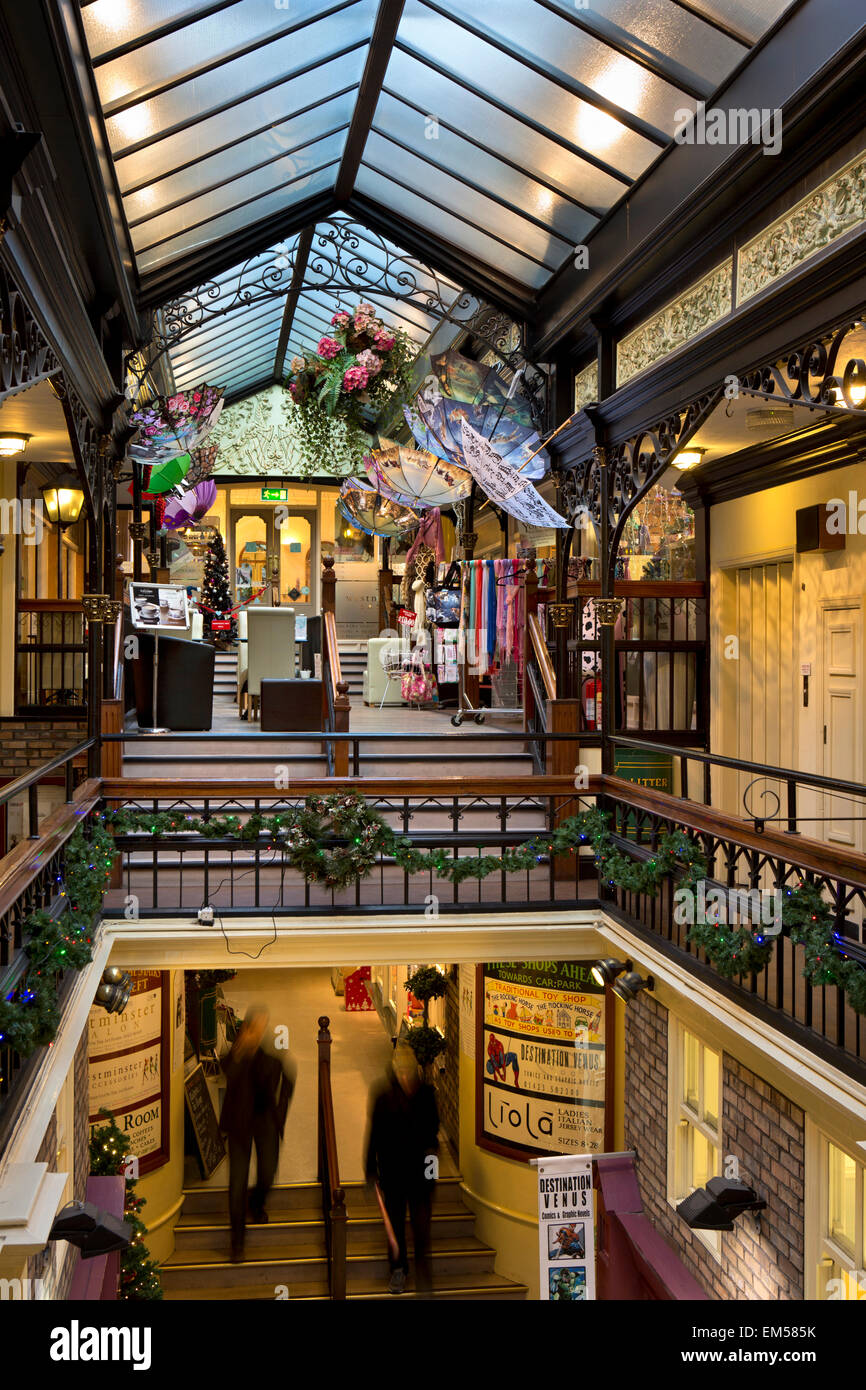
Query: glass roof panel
[[283, 102], [284, 172], [504, 135], [667, 29], [449, 229], [237, 336], [263, 149], [516, 231], [571, 53], [108, 24], [237, 80], [506, 79], [279, 199], [223, 38], [455, 152], [751, 18]]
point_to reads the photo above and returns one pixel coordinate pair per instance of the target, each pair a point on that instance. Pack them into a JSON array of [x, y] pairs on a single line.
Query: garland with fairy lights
[[109, 1149], [29, 1012]]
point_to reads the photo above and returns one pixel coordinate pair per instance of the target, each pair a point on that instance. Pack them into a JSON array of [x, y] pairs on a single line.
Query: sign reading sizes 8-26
[[540, 1058]]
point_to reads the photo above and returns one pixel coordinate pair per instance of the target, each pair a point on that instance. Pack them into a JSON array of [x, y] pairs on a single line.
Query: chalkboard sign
[[205, 1125]]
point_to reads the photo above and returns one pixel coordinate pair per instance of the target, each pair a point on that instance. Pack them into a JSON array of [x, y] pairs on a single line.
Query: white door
[[842, 720]]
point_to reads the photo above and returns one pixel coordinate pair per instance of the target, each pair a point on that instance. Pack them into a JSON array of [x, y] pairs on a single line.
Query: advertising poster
[[129, 1055], [566, 1230], [540, 1058], [160, 606]]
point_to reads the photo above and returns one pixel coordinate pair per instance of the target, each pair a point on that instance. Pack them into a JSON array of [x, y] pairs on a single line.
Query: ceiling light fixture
[[688, 458], [12, 444]]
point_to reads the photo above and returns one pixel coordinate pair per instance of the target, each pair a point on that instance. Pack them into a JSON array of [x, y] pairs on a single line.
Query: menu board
[[128, 1055], [209, 1141], [540, 1058]]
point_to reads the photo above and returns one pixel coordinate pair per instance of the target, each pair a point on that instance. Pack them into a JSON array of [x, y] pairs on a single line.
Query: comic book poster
[[542, 1058], [566, 1230]]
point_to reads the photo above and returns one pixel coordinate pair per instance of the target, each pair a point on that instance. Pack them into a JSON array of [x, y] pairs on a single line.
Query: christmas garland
[[139, 1274], [303, 836], [29, 1012]]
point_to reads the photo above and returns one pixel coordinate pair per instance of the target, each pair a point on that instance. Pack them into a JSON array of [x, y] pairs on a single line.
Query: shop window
[[350, 543], [658, 538], [842, 1242], [694, 1108]]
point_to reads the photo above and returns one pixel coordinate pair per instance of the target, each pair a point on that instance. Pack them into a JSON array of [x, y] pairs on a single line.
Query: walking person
[[257, 1098], [401, 1163]]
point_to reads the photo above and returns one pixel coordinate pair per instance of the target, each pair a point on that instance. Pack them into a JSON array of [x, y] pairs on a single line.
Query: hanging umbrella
[[201, 467], [190, 506], [416, 476], [171, 473], [372, 513], [512, 441], [463, 379], [170, 425]]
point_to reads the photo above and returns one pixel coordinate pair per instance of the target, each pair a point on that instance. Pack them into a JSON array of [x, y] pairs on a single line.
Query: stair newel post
[[323, 1043], [329, 604]]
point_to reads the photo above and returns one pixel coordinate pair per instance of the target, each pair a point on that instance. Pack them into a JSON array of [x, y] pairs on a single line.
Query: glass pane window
[[711, 1087], [841, 1198], [691, 1071]]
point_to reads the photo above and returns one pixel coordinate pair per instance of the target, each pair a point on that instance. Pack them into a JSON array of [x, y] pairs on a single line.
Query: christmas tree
[[216, 599], [139, 1274]]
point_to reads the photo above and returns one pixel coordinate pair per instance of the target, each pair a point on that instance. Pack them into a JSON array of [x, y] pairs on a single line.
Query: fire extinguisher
[[592, 703]]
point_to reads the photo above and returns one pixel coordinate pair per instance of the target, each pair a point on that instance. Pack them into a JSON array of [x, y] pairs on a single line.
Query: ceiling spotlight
[[605, 971], [90, 1230], [629, 986], [717, 1206], [114, 990], [12, 444], [688, 458]]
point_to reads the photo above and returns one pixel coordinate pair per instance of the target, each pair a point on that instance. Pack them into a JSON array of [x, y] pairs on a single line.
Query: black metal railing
[[333, 1194], [51, 658]]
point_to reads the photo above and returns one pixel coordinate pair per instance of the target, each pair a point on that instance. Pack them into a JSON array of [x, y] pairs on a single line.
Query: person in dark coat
[[401, 1162], [254, 1112]]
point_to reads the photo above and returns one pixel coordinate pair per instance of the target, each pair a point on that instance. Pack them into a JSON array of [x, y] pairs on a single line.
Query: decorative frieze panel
[[835, 207], [700, 306], [255, 437], [586, 386]]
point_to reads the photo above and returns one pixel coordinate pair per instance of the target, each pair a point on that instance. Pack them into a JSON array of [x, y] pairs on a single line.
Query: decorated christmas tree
[[216, 599], [139, 1274]]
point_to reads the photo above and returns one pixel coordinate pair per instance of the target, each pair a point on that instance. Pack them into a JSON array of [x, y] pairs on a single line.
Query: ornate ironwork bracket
[[26, 356], [824, 373]]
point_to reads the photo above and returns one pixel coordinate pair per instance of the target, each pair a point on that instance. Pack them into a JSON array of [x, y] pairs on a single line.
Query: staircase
[[288, 1254], [353, 664], [226, 673]]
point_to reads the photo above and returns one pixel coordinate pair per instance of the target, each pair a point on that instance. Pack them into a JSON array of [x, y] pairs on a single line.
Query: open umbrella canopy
[[190, 506], [367, 509], [416, 476], [170, 425], [463, 379], [203, 460], [168, 474], [515, 443]]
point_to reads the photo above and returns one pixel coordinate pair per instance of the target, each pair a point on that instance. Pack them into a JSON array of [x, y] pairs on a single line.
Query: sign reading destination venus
[[541, 1057]]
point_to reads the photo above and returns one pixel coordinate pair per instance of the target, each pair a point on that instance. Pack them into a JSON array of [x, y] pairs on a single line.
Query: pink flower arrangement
[[370, 362], [328, 348], [384, 340], [297, 364], [355, 378], [341, 318]]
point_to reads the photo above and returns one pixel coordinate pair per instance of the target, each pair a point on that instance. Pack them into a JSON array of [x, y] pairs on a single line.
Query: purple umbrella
[[190, 506]]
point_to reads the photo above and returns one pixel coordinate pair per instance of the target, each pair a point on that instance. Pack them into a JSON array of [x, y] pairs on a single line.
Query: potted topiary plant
[[427, 1043]]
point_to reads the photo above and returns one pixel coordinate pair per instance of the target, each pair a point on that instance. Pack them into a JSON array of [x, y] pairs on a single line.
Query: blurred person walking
[[401, 1164], [259, 1089]]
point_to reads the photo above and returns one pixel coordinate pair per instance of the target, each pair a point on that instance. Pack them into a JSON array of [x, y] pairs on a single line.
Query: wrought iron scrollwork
[[26, 356], [759, 821], [823, 373]]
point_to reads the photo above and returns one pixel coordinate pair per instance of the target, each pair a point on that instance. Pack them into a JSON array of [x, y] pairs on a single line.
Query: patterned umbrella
[[203, 460], [443, 422], [174, 424], [416, 477], [463, 379], [371, 512], [190, 506]]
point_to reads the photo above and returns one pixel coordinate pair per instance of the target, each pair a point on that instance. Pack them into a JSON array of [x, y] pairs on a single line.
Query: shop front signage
[[128, 1056], [540, 1058], [566, 1229]]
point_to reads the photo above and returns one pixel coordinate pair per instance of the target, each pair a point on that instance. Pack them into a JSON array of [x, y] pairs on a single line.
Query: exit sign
[[275, 494]]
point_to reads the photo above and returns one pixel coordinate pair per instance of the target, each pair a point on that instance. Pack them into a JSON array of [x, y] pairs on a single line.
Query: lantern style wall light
[[12, 444], [63, 499]]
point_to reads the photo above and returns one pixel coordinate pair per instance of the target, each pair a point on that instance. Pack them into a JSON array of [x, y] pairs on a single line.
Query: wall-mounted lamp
[[114, 990], [717, 1206], [63, 499], [688, 458], [629, 986], [605, 971], [12, 444], [90, 1230]]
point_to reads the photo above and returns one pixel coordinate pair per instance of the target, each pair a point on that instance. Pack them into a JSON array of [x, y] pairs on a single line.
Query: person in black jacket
[[254, 1111], [401, 1162]]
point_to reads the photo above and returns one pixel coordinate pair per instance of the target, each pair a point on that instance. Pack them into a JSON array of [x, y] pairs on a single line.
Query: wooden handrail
[[804, 853], [333, 650], [542, 656], [29, 857], [333, 1195], [156, 789], [641, 588], [50, 605]]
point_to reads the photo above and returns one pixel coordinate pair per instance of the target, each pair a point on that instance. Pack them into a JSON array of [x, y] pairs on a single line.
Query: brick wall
[[765, 1132], [26, 743], [448, 1081]]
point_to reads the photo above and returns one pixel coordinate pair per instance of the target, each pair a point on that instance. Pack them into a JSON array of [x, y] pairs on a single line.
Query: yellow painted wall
[[163, 1189], [503, 1192]]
